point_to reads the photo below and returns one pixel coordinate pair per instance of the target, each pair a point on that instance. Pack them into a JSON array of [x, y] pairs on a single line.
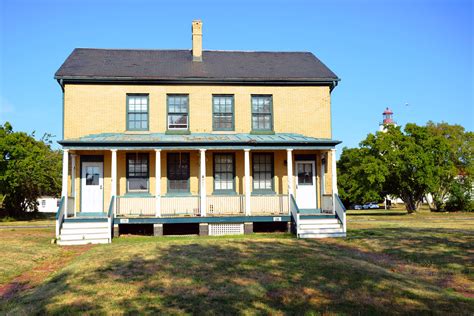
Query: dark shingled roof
[[130, 64]]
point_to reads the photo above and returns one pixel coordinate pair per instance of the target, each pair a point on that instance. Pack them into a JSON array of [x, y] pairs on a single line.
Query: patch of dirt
[[35, 276]]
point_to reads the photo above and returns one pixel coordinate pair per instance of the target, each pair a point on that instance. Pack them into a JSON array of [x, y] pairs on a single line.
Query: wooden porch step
[[80, 225], [322, 235], [83, 242], [84, 236]]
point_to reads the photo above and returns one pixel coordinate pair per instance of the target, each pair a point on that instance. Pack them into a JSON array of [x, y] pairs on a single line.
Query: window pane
[[223, 112], [137, 172], [262, 167], [262, 113], [177, 112], [224, 172], [137, 110], [178, 172]]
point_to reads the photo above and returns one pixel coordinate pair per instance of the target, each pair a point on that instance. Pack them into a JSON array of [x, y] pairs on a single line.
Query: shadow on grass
[[442, 248], [220, 276]]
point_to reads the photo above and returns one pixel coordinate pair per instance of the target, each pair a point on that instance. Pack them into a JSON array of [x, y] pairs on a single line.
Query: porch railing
[[269, 204], [110, 217], [180, 206], [340, 211], [216, 205], [294, 211], [60, 216], [225, 205], [136, 206]]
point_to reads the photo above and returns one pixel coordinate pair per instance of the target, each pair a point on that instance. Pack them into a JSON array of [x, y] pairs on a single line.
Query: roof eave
[[192, 80]]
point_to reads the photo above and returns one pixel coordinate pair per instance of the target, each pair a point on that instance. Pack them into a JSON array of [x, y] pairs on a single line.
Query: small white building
[[47, 204]]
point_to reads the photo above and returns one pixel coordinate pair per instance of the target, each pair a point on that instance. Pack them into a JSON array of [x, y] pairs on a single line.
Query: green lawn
[[392, 264]]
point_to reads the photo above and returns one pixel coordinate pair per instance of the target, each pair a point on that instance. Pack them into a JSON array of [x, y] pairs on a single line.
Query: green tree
[[409, 164], [455, 161], [29, 168], [360, 176]]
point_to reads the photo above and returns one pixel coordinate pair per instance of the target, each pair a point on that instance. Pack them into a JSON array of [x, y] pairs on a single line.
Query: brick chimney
[[197, 40]]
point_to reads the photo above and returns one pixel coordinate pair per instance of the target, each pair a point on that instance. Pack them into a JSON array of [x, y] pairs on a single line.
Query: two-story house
[[196, 141]]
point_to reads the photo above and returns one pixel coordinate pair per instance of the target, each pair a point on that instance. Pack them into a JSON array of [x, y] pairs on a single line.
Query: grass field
[[391, 264]]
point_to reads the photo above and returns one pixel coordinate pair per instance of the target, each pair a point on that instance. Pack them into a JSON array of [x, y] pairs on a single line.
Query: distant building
[[387, 120], [47, 204]]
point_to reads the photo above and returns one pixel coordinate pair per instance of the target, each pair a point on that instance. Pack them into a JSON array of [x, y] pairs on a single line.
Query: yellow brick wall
[[94, 109]]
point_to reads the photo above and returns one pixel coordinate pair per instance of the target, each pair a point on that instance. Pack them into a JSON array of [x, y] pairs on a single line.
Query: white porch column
[[334, 178], [158, 182], [202, 189], [289, 166], [113, 173], [65, 175], [73, 180], [247, 182]]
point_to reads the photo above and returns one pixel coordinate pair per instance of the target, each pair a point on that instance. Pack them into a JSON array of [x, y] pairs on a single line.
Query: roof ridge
[[188, 50]]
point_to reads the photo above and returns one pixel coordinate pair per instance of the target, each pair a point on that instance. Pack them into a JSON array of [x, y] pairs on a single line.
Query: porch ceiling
[[198, 140]]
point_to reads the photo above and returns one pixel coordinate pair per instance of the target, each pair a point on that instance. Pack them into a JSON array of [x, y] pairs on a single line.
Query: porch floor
[[91, 214]]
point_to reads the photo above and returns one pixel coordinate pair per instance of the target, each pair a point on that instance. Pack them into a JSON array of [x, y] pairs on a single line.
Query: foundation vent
[[226, 229]]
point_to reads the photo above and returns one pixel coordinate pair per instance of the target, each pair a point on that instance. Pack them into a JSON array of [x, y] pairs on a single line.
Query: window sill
[[177, 132], [137, 194], [139, 132], [262, 132], [218, 132], [223, 192], [263, 192], [177, 194]]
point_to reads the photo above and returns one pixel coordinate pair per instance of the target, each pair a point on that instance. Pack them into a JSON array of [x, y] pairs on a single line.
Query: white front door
[[305, 185], [92, 186]]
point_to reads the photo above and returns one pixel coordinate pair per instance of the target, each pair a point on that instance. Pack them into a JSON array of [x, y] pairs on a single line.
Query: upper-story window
[[223, 112], [137, 112], [178, 112], [262, 113]]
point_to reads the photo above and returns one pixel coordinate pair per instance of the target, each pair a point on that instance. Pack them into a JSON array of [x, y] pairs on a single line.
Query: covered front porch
[[232, 179]]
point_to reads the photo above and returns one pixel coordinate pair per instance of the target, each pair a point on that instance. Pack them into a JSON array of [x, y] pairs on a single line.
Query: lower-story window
[[178, 172], [224, 173], [262, 171], [137, 172]]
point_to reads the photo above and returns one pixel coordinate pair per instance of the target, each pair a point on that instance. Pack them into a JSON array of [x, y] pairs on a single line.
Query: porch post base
[[157, 229], [289, 227], [116, 232], [248, 228], [203, 229]]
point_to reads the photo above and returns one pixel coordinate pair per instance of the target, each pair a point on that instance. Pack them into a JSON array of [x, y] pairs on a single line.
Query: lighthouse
[[387, 120]]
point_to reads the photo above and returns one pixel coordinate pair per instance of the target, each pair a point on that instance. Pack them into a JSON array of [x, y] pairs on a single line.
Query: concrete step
[[82, 242], [79, 236], [84, 230], [303, 225], [321, 231], [85, 225], [321, 235]]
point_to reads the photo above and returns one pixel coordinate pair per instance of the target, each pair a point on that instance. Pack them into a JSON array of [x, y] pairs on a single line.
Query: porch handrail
[[295, 213], [60, 216], [110, 217], [340, 211]]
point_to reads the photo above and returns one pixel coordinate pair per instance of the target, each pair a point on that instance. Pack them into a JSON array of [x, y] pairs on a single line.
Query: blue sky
[[387, 53]]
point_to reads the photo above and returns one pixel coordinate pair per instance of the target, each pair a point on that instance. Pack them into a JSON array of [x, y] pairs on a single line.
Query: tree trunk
[[410, 203]]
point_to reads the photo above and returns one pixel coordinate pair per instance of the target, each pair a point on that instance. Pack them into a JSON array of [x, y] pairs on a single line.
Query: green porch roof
[[197, 140]]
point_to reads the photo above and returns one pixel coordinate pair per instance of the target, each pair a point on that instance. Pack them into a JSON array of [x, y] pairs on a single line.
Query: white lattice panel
[[226, 229]]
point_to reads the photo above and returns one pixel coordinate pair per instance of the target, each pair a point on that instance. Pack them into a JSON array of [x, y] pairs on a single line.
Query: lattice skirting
[[226, 229]]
